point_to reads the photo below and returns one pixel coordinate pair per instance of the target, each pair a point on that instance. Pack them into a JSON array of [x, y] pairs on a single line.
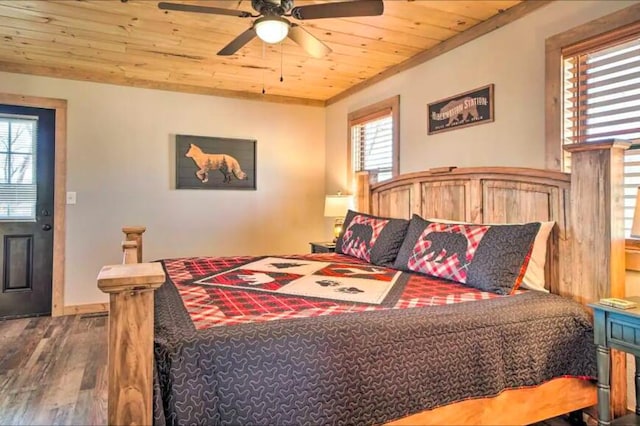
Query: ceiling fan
[[272, 26]]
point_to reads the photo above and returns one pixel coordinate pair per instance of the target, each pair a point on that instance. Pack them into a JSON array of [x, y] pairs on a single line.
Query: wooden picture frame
[[463, 110], [215, 163]]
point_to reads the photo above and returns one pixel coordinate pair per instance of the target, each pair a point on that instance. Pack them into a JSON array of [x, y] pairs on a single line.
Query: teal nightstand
[[615, 329]]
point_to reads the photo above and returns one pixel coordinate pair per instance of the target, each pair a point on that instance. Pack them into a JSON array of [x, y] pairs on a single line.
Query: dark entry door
[[27, 139]]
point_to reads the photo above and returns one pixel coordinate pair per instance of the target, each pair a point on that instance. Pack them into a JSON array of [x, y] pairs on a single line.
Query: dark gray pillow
[[491, 258], [371, 238]]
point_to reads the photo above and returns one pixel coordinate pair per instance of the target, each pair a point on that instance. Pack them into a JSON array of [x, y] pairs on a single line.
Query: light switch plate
[[71, 197]]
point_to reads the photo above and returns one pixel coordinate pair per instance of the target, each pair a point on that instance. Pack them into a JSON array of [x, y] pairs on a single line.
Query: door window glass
[[17, 167]]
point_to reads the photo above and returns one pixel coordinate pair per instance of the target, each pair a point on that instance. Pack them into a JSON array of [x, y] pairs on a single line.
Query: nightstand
[[327, 247], [615, 329]]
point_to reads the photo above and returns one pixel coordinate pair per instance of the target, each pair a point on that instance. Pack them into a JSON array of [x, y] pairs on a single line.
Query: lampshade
[[337, 205], [635, 226], [271, 29]]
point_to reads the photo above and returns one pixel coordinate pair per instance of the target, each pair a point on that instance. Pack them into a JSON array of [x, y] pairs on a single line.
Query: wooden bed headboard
[[483, 195], [586, 253]]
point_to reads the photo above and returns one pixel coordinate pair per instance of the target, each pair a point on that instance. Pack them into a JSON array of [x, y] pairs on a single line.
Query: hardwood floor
[[53, 371]]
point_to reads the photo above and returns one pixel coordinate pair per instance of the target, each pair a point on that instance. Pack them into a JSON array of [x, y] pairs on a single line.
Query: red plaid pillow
[[446, 250], [488, 257], [360, 236], [371, 238]]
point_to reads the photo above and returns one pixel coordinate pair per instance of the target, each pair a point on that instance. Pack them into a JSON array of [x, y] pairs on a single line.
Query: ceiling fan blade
[[308, 42], [339, 10], [237, 43], [202, 9]]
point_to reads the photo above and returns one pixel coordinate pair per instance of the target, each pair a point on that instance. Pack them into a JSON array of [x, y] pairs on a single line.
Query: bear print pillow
[[491, 258], [371, 238]]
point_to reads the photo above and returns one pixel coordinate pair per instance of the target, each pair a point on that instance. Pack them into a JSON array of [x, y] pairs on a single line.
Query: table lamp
[[336, 206]]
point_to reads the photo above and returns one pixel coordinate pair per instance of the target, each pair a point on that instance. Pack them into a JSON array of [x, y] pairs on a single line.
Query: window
[[601, 99], [373, 136], [17, 167]]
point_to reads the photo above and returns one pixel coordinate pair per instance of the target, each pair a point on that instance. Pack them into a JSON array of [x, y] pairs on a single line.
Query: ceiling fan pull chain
[[263, 55], [281, 54]]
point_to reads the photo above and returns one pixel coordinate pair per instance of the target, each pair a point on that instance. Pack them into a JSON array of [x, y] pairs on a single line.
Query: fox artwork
[[227, 165]]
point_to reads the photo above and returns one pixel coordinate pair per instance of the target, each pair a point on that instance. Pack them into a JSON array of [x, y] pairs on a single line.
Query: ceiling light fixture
[[272, 29]]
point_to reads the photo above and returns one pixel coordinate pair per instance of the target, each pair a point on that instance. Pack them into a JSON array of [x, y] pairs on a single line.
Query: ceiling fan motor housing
[[272, 7]]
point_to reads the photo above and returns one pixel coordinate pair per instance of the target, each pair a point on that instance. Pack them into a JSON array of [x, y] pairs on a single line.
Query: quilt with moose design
[[233, 347]]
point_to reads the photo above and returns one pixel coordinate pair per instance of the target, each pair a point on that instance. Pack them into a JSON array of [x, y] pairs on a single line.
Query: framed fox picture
[[215, 163]]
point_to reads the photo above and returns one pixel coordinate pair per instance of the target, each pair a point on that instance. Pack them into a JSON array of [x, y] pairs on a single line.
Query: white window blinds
[[372, 145], [18, 193], [602, 94], [601, 100]]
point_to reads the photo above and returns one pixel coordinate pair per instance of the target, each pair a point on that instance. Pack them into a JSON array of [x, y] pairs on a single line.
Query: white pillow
[[534, 275]]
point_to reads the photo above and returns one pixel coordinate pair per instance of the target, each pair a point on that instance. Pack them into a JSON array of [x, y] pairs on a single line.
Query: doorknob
[[46, 227]]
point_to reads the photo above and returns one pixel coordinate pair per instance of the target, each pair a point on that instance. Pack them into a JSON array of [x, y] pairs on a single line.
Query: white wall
[[512, 58], [120, 162]]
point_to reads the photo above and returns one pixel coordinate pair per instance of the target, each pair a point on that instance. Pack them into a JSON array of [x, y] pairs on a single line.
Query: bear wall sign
[[466, 109]]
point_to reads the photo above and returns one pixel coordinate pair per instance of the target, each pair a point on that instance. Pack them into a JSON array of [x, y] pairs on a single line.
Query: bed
[[374, 363]]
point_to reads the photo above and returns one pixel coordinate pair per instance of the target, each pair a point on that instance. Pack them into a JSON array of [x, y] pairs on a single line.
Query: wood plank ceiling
[[135, 43]]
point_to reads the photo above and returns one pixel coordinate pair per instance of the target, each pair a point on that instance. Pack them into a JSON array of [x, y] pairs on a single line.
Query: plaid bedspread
[[335, 363], [215, 306]]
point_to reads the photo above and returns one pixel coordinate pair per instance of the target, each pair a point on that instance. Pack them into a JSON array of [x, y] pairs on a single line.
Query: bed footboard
[[130, 287]]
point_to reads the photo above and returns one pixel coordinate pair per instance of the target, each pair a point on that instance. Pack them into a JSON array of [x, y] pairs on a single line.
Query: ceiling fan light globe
[[272, 29]]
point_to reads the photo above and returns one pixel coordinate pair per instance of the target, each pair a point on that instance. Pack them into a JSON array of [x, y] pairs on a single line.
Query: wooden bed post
[[130, 371], [598, 247], [363, 192], [134, 233], [129, 252]]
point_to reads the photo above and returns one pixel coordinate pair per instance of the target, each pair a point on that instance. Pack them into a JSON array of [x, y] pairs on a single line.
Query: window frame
[[372, 112], [611, 26], [578, 128], [602, 30]]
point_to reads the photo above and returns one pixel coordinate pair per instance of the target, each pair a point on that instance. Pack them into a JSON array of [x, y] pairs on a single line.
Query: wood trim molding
[[355, 117], [632, 260], [90, 308], [141, 83], [363, 192], [59, 192], [471, 34], [632, 254], [553, 77]]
